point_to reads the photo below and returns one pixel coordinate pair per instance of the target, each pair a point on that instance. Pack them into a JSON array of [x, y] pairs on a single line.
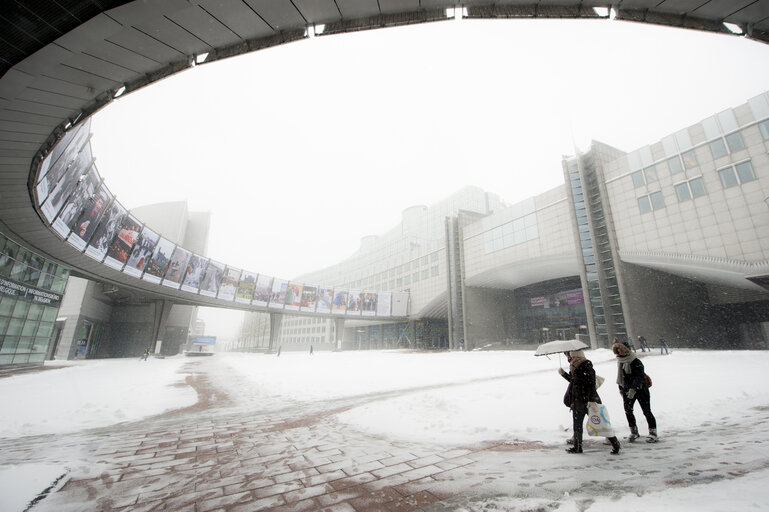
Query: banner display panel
[[278, 293], [158, 264], [176, 267], [262, 290], [556, 300], [325, 299], [229, 285], [383, 304], [63, 154], [67, 184], [368, 303], [193, 277], [400, 304], [122, 245], [309, 298], [86, 224], [339, 306], [77, 202], [246, 287], [293, 296], [212, 278], [142, 252], [106, 231], [354, 303]]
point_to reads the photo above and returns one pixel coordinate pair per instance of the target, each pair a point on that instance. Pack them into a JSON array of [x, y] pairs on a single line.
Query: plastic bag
[[598, 422]]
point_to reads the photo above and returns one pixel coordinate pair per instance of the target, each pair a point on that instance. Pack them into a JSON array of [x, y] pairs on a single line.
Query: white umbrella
[[557, 346]]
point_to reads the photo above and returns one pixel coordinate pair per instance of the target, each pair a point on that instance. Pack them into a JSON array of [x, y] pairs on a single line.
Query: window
[[697, 186], [735, 142], [728, 178], [745, 171], [674, 164], [657, 200], [638, 179], [651, 174], [682, 192], [764, 127], [644, 205], [718, 148], [690, 159]]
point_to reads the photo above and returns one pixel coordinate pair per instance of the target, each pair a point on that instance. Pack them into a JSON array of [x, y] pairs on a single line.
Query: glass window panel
[[35, 312], [508, 240], [727, 120], [669, 145], [638, 179], [30, 328], [6, 306], [764, 127], [45, 329], [697, 186], [690, 159], [46, 281], [21, 358], [518, 225], [530, 220], [674, 164], [18, 270], [3, 324], [718, 148], [425, 273], [745, 171], [49, 314], [657, 200], [651, 174], [644, 205], [682, 192], [59, 284], [711, 127], [507, 229], [683, 139], [728, 178], [14, 326], [9, 345], [20, 310], [735, 142], [531, 232]]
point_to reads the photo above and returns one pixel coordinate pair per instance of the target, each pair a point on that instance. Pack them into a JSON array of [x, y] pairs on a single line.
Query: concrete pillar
[[339, 332], [162, 311], [276, 320]]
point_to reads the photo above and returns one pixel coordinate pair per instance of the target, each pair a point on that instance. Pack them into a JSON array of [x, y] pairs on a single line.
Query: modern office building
[[669, 240]]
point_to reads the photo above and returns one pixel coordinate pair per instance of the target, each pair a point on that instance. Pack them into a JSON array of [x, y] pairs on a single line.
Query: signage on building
[[205, 340], [21, 291], [567, 298]]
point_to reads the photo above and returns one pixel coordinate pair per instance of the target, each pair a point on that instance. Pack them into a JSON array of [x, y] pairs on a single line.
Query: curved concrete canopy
[[62, 61]]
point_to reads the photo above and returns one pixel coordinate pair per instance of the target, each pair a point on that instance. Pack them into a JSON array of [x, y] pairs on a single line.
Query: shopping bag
[[598, 422], [598, 381]]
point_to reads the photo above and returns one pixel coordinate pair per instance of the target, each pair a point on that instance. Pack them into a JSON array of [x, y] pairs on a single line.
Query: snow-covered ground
[[450, 398]]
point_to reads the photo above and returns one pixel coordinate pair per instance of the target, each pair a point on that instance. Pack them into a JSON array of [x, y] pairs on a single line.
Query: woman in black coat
[[581, 390], [631, 380]]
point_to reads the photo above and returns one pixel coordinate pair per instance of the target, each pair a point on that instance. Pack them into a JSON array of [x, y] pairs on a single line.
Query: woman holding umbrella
[[581, 390]]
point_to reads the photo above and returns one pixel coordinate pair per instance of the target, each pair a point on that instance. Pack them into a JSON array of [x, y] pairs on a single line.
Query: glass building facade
[[31, 289]]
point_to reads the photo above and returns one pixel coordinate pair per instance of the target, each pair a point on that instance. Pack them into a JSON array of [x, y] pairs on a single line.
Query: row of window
[[379, 281], [511, 233], [21, 265], [730, 176]]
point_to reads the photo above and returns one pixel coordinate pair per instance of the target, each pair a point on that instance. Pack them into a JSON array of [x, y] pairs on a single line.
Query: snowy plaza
[[377, 430]]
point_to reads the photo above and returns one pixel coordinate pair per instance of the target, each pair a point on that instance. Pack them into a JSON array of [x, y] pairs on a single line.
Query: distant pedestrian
[[615, 340], [631, 380], [279, 350], [310, 349], [644, 346], [146, 354], [663, 346], [581, 390]]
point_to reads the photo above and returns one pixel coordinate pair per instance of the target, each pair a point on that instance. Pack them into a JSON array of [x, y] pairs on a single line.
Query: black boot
[[577, 448], [614, 445]]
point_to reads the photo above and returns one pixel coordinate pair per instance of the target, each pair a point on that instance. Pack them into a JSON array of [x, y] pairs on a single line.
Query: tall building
[[668, 240]]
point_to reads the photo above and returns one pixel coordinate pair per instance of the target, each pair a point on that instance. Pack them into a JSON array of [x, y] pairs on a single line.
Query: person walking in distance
[[663, 346], [631, 380], [644, 346], [581, 390]]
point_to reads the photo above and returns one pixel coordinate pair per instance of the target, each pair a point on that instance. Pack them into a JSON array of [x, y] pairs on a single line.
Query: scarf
[[623, 367], [576, 360]]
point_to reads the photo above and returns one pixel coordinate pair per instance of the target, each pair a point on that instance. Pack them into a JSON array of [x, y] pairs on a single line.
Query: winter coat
[[635, 379], [581, 388]]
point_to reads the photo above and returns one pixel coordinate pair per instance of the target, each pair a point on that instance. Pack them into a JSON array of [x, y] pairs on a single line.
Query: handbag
[[648, 380], [598, 422]]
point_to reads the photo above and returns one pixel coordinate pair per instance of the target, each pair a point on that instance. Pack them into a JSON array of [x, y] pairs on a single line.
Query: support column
[[338, 333], [162, 312], [276, 320]]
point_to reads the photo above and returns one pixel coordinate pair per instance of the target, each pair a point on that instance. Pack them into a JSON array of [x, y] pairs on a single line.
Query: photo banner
[[158, 264], [142, 252], [368, 303], [309, 298], [400, 304], [262, 290], [177, 265], [106, 231], [293, 296], [229, 285], [77, 202], [62, 156], [212, 278], [196, 269], [354, 303], [86, 224], [383, 304], [339, 306], [67, 184], [278, 293], [246, 287], [122, 245], [325, 300], [566, 298]]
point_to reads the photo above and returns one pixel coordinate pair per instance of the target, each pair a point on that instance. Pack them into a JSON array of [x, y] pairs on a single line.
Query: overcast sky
[[302, 149]]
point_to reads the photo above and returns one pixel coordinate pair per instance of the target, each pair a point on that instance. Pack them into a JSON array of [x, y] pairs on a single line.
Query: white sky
[[302, 149], [712, 430]]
